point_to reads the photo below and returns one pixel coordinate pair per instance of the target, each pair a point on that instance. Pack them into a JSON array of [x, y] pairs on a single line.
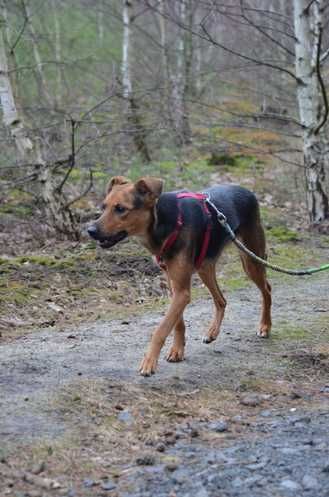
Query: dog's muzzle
[[105, 241]]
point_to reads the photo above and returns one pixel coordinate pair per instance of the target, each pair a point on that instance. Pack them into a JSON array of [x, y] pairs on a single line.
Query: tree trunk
[[312, 104], [52, 201], [40, 76], [57, 29], [131, 106], [100, 24], [179, 81]]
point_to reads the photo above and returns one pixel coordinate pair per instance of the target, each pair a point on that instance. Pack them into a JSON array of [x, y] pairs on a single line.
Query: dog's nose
[[93, 231]]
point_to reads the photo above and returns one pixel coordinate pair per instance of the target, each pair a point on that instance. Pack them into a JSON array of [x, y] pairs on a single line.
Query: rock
[[265, 414], [125, 417], [55, 307], [290, 485], [251, 400], [296, 394], [254, 480], [180, 476], [45, 483], [218, 426], [160, 447], [325, 468], [257, 466], [88, 483], [237, 419], [108, 485], [171, 462], [309, 482], [145, 460], [299, 419], [289, 451], [39, 467]]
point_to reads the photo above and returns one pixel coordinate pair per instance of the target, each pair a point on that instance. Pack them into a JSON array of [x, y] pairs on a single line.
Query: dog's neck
[[155, 234]]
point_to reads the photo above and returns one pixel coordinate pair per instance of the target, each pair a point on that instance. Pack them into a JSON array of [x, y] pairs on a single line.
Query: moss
[[282, 234], [289, 331], [240, 106], [16, 209], [14, 292], [40, 260], [192, 174], [235, 283]]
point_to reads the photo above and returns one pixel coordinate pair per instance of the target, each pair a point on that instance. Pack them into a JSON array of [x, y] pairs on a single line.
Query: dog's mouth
[[112, 240]]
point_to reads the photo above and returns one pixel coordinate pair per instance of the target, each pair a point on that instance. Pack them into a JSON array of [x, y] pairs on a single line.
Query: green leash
[[295, 272]]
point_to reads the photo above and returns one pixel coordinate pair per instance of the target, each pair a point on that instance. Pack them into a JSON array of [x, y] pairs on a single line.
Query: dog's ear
[[116, 180], [149, 187]]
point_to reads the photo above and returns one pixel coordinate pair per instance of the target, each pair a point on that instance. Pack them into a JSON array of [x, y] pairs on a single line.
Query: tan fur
[[179, 269]]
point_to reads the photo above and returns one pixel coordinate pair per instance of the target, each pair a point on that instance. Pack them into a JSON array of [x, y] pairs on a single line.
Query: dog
[[182, 230]]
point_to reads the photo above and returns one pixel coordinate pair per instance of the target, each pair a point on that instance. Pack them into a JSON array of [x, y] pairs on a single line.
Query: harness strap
[[170, 240]]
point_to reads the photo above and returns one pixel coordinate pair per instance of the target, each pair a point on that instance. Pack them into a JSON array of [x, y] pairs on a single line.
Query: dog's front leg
[[176, 352], [180, 278]]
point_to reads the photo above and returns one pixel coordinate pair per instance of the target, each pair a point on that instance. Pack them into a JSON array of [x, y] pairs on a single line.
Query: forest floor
[[242, 416]]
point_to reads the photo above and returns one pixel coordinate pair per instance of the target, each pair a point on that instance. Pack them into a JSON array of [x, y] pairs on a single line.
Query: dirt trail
[[35, 369]]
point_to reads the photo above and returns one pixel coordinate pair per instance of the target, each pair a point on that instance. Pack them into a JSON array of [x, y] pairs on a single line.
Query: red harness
[[168, 243]]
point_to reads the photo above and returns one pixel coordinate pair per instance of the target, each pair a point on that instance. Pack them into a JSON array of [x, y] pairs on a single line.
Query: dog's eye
[[119, 209]]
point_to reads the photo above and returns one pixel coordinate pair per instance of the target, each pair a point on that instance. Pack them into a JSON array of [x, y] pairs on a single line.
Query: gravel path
[[285, 453]]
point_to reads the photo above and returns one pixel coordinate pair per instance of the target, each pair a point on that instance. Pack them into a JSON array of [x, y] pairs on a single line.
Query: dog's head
[[127, 209]]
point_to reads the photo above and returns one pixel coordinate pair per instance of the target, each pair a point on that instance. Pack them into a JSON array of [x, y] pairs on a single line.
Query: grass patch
[[14, 292], [282, 234], [39, 260], [192, 174], [236, 163], [289, 331]]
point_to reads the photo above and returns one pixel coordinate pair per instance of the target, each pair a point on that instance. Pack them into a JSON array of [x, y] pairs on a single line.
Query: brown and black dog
[[173, 226]]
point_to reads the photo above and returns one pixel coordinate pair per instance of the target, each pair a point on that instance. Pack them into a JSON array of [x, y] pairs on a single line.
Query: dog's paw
[[148, 365], [175, 354], [264, 332], [208, 339]]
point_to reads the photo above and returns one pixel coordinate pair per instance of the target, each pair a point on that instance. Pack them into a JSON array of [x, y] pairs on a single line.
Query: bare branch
[[262, 31], [322, 85], [324, 56], [209, 38], [72, 157], [84, 193]]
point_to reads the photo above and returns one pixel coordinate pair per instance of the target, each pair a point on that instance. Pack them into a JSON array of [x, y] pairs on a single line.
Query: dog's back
[[238, 204]]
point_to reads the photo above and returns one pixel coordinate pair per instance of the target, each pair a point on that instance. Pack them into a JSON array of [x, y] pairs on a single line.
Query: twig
[[72, 156], [87, 190], [322, 85]]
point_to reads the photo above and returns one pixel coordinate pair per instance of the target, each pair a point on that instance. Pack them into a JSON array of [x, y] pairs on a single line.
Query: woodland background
[[196, 92]]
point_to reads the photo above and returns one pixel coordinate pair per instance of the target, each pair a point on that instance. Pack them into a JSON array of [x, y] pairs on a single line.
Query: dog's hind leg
[[254, 239], [207, 273], [176, 352]]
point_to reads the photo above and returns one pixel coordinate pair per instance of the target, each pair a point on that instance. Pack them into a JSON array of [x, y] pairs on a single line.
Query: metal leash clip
[[220, 216]]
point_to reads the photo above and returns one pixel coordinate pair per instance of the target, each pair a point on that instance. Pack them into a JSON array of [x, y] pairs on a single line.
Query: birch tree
[[39, 72], [49, 195], [59, 89], [312, 103], [131, 105], [180, 77]]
